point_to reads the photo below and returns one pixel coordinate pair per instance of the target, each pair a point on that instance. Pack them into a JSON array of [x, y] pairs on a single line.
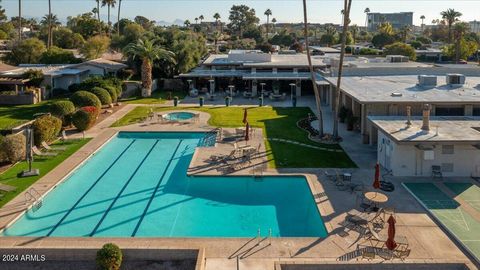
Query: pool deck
[[428, 243]]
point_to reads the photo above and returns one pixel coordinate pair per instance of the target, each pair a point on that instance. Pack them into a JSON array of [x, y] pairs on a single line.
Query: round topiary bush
[[112, 91], [85, 118], [46, 128], [63, 109], [84, 98], [12, 148], [102, 95], [109, 257]]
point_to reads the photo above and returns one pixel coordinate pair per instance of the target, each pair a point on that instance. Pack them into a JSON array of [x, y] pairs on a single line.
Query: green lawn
[[276, 123], [45, 165], [158, 97], [11, 116]]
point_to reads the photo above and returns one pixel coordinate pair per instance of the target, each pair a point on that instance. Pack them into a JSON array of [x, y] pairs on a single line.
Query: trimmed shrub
[[102, 95], [12, 148], [109, 257], [46, 128], [63, 109], [112, 91], [85, 118], [84, 98]]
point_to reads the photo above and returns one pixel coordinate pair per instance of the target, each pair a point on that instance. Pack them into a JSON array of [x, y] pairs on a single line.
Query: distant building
[[474, 26], [397, 20]]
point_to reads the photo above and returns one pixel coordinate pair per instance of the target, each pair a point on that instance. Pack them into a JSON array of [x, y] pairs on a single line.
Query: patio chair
[[284, 96], [368, 253], [37, 152], [330, 176], [55, 148], [401, 254], [362, 202], [240, 132], [437, 171], [64, 136], [7, 188], [376, 238]]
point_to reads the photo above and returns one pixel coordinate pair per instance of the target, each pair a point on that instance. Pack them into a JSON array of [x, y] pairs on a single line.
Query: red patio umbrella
[[391, 244], [245, 115], [247, 131], [376, 182]]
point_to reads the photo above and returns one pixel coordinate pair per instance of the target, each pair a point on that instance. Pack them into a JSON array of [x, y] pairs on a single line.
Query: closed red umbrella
[[247, 131], [376, 182], [245, 115], [391, 244]]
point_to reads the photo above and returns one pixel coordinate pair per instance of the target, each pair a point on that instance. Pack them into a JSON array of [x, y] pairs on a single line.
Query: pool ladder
[[269, 237], [33, 195]]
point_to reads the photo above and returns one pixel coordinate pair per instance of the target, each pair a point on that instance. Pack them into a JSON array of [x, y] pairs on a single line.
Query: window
[[447, 167], [449, 111], [448, 150]]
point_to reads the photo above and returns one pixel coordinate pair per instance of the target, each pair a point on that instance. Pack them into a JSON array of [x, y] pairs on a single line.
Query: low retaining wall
[[25, 99]]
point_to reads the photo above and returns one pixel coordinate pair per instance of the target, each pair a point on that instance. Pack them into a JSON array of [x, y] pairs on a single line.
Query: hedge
[[63, 109], [46, 128], [12, 148], [109, 257], [112, 91], [102, 95], [85, 118], [84, 98]]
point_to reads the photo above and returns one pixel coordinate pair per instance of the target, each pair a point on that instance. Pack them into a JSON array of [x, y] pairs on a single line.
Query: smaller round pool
[[179, 116]]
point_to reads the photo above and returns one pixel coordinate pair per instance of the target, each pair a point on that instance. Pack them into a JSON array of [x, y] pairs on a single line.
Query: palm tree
[[459, 31], [217, 17], [186, 23], [312, 72], [19, 19], [354, 30], [423, 19], [50, 21], [267, 13], [274, 21], [148, 52], [49, 41], [366, 11], [346, 21], [118, 17], [404, 31], [451, 16], [110, 4], [98, 9], [201, 18], [386, 28], [196, 20], [216, 36]]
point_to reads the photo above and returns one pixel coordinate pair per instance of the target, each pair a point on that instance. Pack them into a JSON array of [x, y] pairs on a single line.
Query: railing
[[33, 195], [210, 138]]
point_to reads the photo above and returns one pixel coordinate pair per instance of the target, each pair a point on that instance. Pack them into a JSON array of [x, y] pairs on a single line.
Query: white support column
[[254, 87], [299, 88]]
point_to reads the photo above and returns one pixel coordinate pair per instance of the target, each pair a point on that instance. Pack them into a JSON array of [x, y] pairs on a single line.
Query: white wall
[[408, 160]]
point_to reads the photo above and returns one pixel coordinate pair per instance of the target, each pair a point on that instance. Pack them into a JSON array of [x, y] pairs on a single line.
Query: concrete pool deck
[[428, 243]]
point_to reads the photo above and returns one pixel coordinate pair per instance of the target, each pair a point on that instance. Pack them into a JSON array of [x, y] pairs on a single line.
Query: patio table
[[376, 198]]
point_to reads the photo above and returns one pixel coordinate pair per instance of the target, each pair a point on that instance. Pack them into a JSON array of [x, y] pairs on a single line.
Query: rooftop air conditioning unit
[[427, 80], [456, 79], [397, 58]]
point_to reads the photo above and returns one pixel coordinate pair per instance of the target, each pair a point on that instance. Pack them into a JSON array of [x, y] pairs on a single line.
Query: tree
[[312, 72], [49, 42], [274, 21], [118, 16], [95, 47], [148, 52], [450, 16], [327, 39], [144, 22], [20, 20], [98, 9], [423, 19], [50, 21], [459, 31], [85, 24], [109, 4], [354, 30], [186, 23], [56, 55], [241, 17], [267, 13], [366, 11], [196, 20], [217, 17], [465, 49], [386, 28], [381, 40], [26, 51], [201, 18], [66, 39], [404, 31], [346, 21], [399, 48]]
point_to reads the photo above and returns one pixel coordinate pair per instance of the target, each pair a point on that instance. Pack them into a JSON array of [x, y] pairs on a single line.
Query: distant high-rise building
[[397, 20], [474, 26]]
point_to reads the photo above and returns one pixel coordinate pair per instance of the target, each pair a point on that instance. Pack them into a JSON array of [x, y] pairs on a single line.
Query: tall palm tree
[[196, 20], [423, 19], [118, 16], [148, 52], [201, 18], [110, 4], [267, 13], [451, 16], [312, 72], [217, 17], [50, 21], [98, 9], [216, 36], [346, 21], [459, 31], [404, 31], [49, 41], [19, 19], [186, 23], [274, 21], [366, 11]]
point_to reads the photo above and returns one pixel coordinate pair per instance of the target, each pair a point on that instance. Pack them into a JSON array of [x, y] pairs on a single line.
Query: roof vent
[[456, 79], [427, 80], [397, 94]]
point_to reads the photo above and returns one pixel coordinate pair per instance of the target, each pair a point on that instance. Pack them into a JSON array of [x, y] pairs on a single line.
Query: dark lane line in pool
[[89, 189], [123, 189], [156, 189]]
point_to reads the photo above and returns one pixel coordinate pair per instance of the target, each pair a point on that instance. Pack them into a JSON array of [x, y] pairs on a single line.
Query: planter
[[175, 101], [201, 101], [227, 101], [260, 101]]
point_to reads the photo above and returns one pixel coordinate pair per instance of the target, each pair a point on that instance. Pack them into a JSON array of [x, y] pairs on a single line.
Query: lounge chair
[[55, 148], [7, 188], [64, 136], [37, 152], [240, 132], [376, 238], [368, 253], [437, 171]]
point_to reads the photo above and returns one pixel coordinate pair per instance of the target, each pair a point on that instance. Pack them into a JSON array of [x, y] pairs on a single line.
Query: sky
[[320, 11]]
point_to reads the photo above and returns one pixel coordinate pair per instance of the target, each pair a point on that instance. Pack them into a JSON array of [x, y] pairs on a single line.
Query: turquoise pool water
[[136, 186], [179, 116]]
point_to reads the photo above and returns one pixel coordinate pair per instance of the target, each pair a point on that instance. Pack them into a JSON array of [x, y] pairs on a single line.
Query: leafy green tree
[[131, 33], [380, 40], [253, 32], [66, 39], [148, 52], [144, 22], [386, 28], [450, 16], [26, 51], [399, 48], [85, 24], [354, 31], [283, 38], [56, 55], [95, 46], [241, 17], [464, 49], [328, 39]]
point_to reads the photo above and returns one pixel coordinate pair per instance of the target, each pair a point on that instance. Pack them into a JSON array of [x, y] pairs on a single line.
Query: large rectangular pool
[[136, 185]]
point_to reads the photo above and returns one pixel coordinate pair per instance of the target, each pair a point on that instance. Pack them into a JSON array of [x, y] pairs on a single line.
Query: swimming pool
[[136, 186]]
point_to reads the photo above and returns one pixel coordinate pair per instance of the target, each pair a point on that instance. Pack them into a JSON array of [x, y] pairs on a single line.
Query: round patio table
[[376, 197]]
